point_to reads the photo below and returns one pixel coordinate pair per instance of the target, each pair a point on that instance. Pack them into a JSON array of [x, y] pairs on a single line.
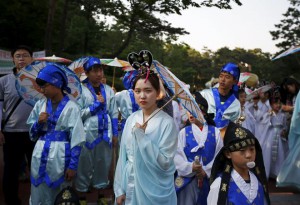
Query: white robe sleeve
[[213, 194]]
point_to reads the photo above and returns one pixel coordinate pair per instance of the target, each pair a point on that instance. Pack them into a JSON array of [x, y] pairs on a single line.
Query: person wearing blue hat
[[223, 100], [125, 98], [57, 128], [100, 116]]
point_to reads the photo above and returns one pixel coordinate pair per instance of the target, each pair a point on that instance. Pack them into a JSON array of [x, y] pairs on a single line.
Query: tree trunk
[[63, 27], [49, 26]]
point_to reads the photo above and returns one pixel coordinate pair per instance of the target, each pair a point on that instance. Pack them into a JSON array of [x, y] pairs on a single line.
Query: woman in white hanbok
[[145, 168]]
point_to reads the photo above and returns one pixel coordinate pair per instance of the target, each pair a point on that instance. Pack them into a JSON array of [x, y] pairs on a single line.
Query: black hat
[[235, 138], [203, 105], [67, 196]]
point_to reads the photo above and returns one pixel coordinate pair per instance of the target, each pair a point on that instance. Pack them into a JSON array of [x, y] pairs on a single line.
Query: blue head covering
[[52, 74], [90, 62], [128, 78], [233, 70]]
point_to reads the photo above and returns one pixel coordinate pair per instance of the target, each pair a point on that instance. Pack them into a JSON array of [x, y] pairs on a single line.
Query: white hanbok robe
[[274, 147], [145, 168], [184, 168], [231, 113]]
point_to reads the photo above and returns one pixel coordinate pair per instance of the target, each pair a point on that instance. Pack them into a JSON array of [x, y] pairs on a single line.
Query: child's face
[[95, 75], [50, 91], [241, 157], [242, 98], [276, 106]]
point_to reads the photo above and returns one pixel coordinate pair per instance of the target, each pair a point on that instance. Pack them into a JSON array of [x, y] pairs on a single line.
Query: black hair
[[241, 90], [40, 82], [23, 47], [152, 77], [284, 94]]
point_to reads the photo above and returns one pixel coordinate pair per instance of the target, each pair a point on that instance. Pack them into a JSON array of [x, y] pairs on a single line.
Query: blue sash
[[50, 136], [207, 153], [220, 109], [236, 196], [102, 118], [135, 106]]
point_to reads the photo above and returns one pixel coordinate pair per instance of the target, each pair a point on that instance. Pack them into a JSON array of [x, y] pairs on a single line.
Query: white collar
[[248, 189]]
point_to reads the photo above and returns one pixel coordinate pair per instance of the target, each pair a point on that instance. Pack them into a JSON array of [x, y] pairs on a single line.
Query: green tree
[[288, 30]]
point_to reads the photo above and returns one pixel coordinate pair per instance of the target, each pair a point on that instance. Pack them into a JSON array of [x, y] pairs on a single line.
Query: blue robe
[[57, 148]]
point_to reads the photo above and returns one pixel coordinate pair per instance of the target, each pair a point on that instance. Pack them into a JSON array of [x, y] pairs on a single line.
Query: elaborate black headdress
[[141, 62], [237, 137]]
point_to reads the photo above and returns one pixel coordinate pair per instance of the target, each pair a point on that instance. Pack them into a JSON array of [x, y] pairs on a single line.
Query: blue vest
[[207, 153], [236, 196]]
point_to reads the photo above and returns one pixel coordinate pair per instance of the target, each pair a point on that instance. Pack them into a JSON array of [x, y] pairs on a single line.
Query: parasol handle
[[113, 80], [153, 114]]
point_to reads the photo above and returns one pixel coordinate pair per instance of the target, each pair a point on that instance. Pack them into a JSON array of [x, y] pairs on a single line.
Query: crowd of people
[[166, 155]]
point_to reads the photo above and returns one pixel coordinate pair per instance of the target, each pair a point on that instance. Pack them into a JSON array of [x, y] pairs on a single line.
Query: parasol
[[54, 59], [179, 91], [77, 67], [115, 62], [243, 78], [31, 92], [289, 51], [256, 92]]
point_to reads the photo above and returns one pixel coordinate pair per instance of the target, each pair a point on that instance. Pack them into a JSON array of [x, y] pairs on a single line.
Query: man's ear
[[227, 154]]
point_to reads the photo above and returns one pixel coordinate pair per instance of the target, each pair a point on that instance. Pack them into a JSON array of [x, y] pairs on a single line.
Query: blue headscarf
[[90, 62], [233, 70], [128, 79], [53, 74]]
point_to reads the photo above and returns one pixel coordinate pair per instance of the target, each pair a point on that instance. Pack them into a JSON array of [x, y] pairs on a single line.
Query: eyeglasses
[[19, 56]]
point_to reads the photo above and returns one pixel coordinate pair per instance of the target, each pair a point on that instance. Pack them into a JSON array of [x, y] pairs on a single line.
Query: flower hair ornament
[[141, 62]]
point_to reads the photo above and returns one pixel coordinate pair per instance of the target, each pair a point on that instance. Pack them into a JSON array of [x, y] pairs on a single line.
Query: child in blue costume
[[204, 141], [100, 117], [56, 125], [238, 173]]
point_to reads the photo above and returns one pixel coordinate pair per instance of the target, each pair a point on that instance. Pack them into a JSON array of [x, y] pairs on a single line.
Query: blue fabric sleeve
[[95, 107], [36, 131], [75, 153], [115, 127]]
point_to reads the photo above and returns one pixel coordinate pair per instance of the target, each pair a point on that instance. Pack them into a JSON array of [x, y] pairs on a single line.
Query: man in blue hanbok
[[223, 101]]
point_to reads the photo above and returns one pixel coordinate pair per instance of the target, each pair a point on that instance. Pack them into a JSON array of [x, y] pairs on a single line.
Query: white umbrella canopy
[[289, 51]]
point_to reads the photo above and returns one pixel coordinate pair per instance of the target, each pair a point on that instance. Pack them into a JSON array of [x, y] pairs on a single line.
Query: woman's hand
[[143, 126], [121, 199]]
